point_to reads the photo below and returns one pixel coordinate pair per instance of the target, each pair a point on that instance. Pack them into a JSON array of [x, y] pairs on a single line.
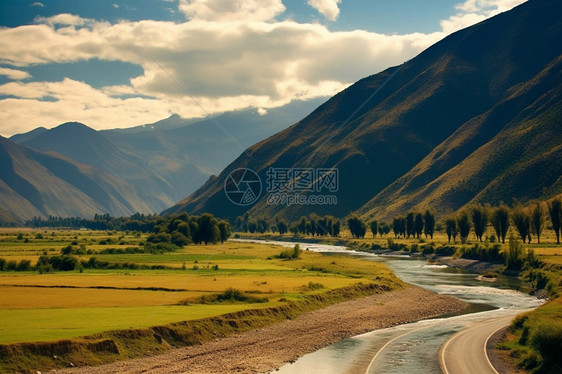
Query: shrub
[[445, 250], [24, 265], [231, 294], [290, 255], [514, 254], [547, 340], [428, 249], [315, 286], [66, 250]]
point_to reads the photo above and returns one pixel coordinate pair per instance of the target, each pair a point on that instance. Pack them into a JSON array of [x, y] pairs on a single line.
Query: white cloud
[[230, 55], [223, 65], [231, 10], [37, 4], [64, 19], [471, 12], [14, 74], [328, 8]]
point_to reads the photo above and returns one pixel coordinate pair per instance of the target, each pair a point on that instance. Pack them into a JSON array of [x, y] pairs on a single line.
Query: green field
[[69, 304]]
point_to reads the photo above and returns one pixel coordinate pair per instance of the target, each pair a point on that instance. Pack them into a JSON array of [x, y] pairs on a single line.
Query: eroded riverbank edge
[[265, 349]]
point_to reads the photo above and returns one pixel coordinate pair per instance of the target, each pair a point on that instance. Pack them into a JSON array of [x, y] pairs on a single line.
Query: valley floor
[[266, 349]]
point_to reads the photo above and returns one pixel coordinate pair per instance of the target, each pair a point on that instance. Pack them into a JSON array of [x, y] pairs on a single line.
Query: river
[[414, 347]]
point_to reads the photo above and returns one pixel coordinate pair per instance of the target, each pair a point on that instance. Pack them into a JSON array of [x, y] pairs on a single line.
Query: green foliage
[[429, 223], [514, 255], [410, 225], [357, 227], [399, 226], [522, 222], [224, 230], [418, 225], [537, 338], [282, 226], [374, 226], [463, 224], [547, 339], [291, 255], [384, 228], [479, 215], [451, 229], [230, 295], [500, 221], [537, 220], [555, 213], [62, 263], [315, 286], [12, 265], [483, 253], [445, 250]]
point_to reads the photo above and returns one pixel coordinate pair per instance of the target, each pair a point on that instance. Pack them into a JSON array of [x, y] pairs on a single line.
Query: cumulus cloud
[[471, 12], [231, 10], [328, 8], [229, 55], [14, 74], [64, 19]]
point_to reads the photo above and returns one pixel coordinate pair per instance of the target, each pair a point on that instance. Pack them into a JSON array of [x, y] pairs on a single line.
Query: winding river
[[414, 347]]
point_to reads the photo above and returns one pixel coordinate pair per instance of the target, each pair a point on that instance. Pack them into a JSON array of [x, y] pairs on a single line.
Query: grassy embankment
[[158, 300]]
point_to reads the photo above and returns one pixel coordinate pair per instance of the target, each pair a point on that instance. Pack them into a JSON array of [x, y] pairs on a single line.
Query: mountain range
[[477, 117], [142, 169]]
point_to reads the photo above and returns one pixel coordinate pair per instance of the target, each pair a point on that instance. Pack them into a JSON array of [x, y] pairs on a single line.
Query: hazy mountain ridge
[[34, 183], [441, 130], [144, 169]]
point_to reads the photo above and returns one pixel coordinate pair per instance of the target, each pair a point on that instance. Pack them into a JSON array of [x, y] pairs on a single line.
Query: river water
[[414, 347]]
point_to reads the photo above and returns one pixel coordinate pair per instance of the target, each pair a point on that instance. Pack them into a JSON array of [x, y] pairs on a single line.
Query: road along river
[[423, 347]]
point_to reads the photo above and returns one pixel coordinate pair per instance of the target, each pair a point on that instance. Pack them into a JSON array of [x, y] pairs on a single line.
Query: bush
[[161, 237], [231, 294], [290, 255], [24, 265], [63, 263], [66, 250], [315, 286], [445, 250], [514, 255], [547, 340], [2, 264], [428, 249]]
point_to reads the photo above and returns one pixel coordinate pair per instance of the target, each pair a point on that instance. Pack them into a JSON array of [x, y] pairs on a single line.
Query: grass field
[[68, 304]]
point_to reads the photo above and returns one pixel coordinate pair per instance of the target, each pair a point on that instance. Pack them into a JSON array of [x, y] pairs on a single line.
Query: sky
[[122, 63]]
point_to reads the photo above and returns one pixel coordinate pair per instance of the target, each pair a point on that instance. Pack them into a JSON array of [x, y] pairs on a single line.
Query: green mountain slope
[[392, 134]]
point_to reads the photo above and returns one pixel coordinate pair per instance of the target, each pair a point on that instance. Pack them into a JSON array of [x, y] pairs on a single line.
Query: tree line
[[527, 220], [313, 225], [137, 222], [182, 229]]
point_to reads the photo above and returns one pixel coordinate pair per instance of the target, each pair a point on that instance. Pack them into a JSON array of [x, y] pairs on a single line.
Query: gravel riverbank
[[266, 349]]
